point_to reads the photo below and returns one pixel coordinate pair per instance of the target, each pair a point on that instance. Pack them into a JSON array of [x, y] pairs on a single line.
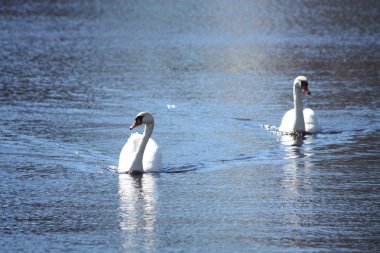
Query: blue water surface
[[217, 75]]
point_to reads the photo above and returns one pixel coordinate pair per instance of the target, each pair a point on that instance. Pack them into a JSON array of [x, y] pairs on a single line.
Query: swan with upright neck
[[141, 153], [300, 121]]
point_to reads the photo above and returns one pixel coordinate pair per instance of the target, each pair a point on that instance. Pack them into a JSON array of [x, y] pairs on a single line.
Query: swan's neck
[[299, 124], [137, 166]]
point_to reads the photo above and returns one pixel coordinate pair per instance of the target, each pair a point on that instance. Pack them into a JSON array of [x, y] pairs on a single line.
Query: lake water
[[216, 75]]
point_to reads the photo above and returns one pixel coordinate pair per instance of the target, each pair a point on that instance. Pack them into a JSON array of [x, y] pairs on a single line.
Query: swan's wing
[[152, 160], [311, 121], [128, 153], [288, 121]]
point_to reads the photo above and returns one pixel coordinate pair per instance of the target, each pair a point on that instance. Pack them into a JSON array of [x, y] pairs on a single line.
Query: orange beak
[[306, 90], [135, 124]]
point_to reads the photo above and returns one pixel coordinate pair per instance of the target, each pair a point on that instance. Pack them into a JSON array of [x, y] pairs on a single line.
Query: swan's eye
[[304, 84], [139, 118]]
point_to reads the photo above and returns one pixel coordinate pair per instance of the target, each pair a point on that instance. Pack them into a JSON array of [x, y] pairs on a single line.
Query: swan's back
[[287, 122], [311, 121], [152, 159]]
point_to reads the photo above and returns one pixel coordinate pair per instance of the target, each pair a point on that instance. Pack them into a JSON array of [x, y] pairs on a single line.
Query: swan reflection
[[137, 209], [297, 183], [294, 146]]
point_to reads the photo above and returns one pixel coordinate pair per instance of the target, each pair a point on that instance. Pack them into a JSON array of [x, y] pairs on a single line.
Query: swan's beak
[[136, 124], [306, 90]]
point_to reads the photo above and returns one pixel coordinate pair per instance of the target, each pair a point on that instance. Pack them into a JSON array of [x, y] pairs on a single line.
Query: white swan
[[298, 120], [141, 153]]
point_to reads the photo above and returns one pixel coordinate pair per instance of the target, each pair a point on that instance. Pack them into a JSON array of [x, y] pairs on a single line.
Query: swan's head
[[301, 83], [142, 118]]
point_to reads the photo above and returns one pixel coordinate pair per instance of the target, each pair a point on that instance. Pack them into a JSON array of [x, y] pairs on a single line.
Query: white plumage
[[299, 120], [141, 153], [311, 121]]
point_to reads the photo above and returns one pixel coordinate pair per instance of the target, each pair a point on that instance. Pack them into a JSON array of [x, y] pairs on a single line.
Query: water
[[74, 74]]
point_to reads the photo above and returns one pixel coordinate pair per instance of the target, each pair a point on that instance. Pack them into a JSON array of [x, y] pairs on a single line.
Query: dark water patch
[[242, 119], [240, 157], [184, 169]]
